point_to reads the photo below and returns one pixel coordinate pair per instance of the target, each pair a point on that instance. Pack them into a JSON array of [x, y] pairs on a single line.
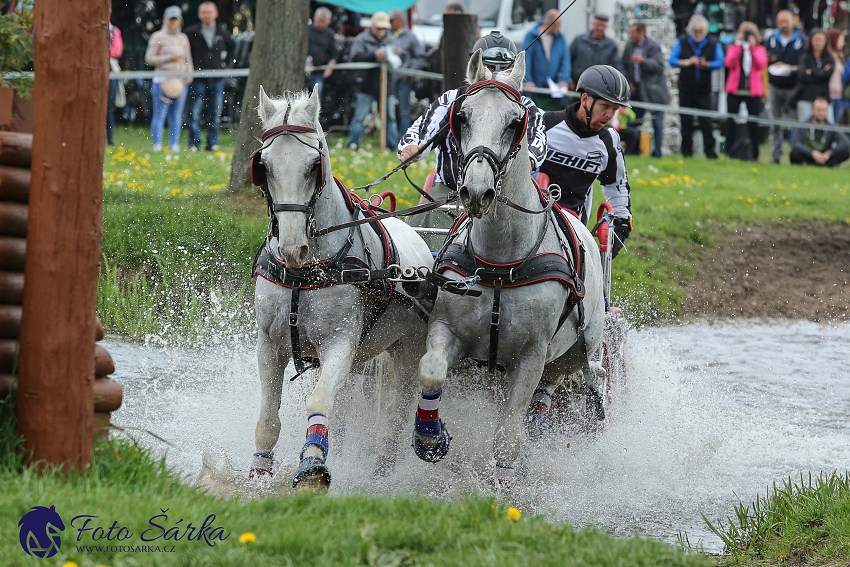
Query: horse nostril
[[464, 196], [302, 254], [487, 198]]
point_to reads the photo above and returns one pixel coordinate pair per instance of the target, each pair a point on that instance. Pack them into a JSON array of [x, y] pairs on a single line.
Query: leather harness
[[459, 257]]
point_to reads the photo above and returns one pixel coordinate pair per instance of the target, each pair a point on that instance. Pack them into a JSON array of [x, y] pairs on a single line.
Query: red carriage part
[[384, 196]]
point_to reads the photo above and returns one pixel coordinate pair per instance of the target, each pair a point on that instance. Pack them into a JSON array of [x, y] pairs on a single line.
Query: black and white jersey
[[437, 115], [576, 157]]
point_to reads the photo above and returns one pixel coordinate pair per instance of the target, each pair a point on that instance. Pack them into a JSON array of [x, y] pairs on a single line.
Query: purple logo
[[40, 529]]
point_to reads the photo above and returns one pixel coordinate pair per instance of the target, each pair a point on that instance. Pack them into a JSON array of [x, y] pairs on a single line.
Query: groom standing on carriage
[[581, 148]]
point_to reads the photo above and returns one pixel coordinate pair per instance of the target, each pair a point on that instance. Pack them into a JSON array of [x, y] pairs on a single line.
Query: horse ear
[[518, 72], [475, 70], [266, 107], [313, 104]]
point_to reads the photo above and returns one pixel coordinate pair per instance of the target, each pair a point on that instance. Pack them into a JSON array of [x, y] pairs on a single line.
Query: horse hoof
[[384, 465], [536, 425], [312, 475], [257, 474], [432, 447]]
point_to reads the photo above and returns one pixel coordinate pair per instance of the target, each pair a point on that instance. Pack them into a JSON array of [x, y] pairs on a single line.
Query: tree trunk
[[277, 63], [459, 31]]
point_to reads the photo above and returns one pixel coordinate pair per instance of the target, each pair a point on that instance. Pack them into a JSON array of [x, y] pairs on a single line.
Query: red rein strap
[[504, 87]]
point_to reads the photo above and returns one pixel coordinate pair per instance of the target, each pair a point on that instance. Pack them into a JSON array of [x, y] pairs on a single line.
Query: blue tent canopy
[[372, 6]]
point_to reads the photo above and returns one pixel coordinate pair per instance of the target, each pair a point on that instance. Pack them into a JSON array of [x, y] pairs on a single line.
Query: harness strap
[[294, 336], [494, 327]]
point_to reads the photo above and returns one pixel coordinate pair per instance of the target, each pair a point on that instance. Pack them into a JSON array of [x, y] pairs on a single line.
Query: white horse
[[325, 300], [534, 332]]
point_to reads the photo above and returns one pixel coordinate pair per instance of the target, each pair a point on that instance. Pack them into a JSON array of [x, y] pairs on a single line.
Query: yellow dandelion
[[514, 514], [793, 186], [770, 199], [755, 170], [681, 161], [248, 537], [787, 203], [750, 200], [70, 564], [740, 197]]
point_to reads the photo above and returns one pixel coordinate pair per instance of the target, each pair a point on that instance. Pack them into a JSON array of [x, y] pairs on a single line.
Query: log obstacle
[[15, 160]]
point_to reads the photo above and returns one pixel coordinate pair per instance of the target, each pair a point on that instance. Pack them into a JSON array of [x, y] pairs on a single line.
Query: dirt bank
[[798, 270]]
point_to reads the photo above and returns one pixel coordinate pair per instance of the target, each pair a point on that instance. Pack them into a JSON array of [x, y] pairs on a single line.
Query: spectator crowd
[[790, 74]]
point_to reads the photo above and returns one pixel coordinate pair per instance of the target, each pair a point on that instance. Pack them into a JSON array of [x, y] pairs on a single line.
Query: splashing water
[[710, 415]]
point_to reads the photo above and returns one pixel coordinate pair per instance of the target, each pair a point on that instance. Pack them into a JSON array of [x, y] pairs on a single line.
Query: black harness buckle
[[354, 275], [293, 319]]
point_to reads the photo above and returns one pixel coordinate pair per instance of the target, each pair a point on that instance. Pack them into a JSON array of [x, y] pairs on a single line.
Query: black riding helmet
[[497, 50], [604, 81]]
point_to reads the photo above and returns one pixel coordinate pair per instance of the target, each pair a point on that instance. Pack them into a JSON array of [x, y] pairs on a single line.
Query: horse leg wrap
[[503, 477], [431, 440], [311, 465], [261, 465], [536, 418]]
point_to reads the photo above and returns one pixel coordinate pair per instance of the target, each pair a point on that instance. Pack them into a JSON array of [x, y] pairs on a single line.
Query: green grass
[[804, 523], [128, 486], [173, 238]]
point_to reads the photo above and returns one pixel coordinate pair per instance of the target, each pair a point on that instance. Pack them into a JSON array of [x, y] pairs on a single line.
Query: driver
[[581, 148], [499, 53]]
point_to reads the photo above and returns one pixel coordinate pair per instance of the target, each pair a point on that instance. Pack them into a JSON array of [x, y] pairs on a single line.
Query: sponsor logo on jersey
[[591, 163]]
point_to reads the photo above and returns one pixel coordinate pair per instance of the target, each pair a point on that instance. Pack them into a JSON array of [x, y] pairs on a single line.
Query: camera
[[748, 35]]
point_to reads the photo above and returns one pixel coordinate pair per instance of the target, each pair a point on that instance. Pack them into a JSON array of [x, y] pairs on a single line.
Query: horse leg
[[394, 400], [430, 437], [522, 379], [537, 415], [312, 473], [272, 360]]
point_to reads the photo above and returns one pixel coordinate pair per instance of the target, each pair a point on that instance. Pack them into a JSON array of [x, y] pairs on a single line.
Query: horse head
[[488, 125], [292, 167]]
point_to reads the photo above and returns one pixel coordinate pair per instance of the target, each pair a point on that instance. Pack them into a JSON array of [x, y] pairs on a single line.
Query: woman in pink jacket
[[746, 61]]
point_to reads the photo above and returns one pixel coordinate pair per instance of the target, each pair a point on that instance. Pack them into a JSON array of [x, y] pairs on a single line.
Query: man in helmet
[[498, 54], [581, 148]]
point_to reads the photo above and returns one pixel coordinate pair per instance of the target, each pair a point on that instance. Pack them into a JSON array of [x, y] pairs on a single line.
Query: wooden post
[[459, 33], [382, 105], [56, 369]]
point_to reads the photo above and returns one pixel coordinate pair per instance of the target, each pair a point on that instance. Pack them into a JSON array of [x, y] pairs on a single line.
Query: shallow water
[[712, 414]]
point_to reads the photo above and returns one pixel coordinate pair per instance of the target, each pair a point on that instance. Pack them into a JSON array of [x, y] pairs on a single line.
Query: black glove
[[622, 229]]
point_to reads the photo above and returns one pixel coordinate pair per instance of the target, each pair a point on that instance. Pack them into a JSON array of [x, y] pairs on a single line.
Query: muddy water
[[710, 415]]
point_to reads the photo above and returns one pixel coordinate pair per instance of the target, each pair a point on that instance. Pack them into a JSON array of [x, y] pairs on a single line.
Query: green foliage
[[805, 523], [128, 485], [16, 50], [11, 444]]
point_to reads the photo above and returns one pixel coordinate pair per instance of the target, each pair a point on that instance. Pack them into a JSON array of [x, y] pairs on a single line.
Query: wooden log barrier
[[13, 219], [8, 356], [11, 288], [15, 149], [10, 321], [14, 184], [12, 253], [103, 365]]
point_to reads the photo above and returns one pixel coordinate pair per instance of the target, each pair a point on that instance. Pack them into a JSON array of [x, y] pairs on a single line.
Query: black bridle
[[499, 166], [259, 176]]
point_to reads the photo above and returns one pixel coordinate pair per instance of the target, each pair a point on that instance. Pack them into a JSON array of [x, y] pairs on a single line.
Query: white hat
[[172, 88], [172, 13], [381, 20]]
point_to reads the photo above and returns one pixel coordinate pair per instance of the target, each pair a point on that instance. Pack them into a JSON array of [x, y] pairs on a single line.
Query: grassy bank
[[127, 486], [177, 249]]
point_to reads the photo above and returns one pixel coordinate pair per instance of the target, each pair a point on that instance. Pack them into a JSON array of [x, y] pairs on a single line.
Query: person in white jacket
[[168, 50]]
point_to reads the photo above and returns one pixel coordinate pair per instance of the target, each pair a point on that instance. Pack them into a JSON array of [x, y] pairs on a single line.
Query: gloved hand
[[622, 229]]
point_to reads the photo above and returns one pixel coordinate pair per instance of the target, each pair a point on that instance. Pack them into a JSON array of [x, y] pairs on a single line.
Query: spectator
[[746, 61], [697, 54], [212, 48], [321, 49], [168, 50], [817, 146], [412, 57], [593, 48], [547, 60], [784, 50], [845, 80], [371, 46], [116, 48], [643, 63], [836, 87], [629, 135], [816, 68]]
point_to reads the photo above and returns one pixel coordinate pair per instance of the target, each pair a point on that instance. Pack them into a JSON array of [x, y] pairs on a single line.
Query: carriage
[[513, 262]]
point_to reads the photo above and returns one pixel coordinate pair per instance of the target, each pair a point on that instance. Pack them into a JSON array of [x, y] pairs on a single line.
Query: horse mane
[[288, 106]]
